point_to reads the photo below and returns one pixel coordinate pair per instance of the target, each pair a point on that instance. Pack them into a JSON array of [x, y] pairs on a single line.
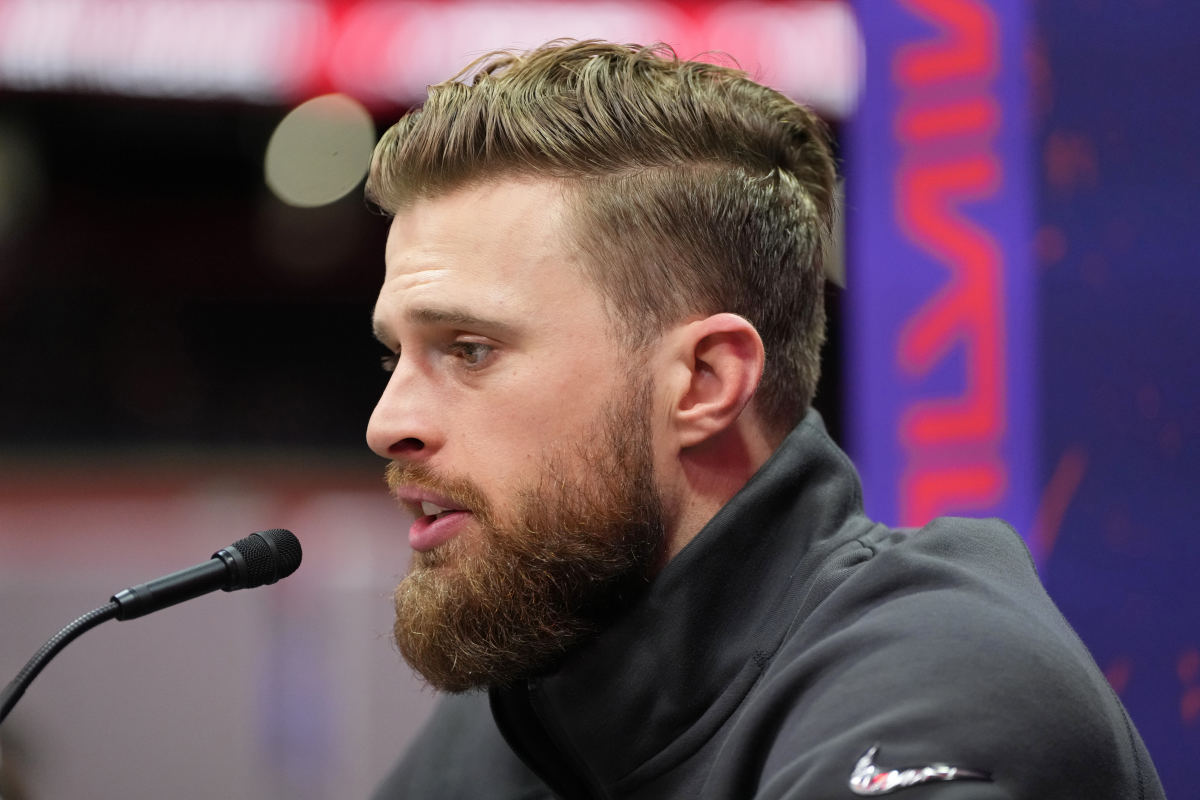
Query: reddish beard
[[507, 600]]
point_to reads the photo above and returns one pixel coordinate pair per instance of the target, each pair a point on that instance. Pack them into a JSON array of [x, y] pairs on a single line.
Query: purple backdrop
[[940, 281], [969, 112]]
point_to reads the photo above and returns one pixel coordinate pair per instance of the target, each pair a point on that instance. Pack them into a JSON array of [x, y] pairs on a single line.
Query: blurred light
[[386, 52], [810, 50], [258, 50], [320, 151], [389, 51]]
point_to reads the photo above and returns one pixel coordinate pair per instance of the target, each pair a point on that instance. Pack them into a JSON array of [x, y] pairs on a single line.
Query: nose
[[401, 426]]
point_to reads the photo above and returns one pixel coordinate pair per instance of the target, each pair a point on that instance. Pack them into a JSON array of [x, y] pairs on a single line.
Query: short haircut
[[693, 190]]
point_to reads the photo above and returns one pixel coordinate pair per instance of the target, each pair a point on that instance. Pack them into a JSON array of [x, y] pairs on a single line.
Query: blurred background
[[187, 270]]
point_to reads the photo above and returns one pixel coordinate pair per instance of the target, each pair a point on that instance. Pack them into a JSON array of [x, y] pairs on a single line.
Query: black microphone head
[[263, 558]]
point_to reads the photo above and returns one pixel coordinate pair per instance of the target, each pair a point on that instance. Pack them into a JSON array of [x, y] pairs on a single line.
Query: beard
[[507, 601]]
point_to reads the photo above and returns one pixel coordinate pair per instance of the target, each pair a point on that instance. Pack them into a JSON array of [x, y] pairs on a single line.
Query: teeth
[[430, 509]]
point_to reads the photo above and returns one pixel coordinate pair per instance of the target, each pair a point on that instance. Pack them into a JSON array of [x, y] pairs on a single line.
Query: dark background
[[158, 293]]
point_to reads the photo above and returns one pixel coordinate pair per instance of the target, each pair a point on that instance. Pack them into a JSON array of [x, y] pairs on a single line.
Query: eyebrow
[[424, 315]]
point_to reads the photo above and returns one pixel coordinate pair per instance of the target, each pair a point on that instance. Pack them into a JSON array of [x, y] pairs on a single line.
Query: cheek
[[583, 389], [513, 426]]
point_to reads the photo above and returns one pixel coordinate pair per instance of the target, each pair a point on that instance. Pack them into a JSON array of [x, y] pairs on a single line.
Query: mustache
[[461, 491]]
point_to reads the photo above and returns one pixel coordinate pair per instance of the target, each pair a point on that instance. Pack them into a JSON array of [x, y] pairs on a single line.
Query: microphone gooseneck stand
[[260, 559], [16, 687]]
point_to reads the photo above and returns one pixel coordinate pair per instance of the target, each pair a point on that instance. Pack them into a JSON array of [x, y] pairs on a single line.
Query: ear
[[722, 362]]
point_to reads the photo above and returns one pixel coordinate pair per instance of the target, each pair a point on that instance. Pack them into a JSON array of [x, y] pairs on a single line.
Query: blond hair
[[693, 189]]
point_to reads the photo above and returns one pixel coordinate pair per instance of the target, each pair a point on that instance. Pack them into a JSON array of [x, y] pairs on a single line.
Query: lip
[[428, 531]]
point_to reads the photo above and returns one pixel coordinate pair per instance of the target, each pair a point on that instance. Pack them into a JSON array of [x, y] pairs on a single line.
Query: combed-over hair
[[692, 189]]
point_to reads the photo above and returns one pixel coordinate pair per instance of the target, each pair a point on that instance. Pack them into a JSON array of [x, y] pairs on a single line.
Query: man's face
[[520, 437]]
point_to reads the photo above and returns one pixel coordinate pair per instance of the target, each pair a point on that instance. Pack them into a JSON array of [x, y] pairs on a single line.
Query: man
[[603, 303]]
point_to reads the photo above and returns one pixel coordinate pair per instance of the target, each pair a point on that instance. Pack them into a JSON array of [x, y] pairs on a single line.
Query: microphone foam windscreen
[[288, 547], [270, 555]]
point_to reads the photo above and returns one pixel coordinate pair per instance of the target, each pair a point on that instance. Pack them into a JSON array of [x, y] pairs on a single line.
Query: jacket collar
[[631, 701]]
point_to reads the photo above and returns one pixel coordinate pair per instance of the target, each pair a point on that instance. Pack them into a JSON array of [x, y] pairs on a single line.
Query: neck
[[710, 474]]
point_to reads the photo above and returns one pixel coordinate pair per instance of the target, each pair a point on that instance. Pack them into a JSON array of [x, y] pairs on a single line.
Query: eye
[[471, 354], [388, 361]]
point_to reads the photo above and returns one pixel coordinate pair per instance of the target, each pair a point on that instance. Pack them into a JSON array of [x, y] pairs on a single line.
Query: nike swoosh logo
[[867, 779]]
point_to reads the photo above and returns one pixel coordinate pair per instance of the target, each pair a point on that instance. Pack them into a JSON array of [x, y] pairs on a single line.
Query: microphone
[[259, 559]]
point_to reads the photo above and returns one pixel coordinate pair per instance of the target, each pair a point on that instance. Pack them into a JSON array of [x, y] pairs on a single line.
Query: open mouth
[[434, 510], [436, 525]]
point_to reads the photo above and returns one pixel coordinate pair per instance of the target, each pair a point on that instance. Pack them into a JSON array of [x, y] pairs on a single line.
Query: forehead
[[506, 237]]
